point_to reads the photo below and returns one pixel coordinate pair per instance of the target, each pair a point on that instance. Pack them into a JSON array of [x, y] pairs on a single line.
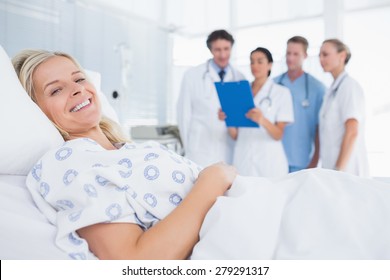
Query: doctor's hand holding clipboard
[[238, 108]]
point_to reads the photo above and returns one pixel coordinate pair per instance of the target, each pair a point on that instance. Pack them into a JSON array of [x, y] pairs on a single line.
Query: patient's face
[[65, 96]]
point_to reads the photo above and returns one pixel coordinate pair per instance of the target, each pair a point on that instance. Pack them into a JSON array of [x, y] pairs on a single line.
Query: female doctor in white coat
[[259, 151], [342, 114], [205, 138]]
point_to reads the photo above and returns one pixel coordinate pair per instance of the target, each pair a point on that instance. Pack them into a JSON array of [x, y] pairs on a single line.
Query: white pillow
[[26, 133], [107, 109]]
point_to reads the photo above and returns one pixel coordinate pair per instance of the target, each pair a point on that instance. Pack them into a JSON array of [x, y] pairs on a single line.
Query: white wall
[[130, 52]]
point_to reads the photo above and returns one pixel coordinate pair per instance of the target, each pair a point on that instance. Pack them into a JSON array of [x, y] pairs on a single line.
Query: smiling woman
[[69, 100], [59, 86], [102, 193]]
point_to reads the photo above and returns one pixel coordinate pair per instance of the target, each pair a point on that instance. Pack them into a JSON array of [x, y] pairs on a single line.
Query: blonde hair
[[340, 47], [25, 63]]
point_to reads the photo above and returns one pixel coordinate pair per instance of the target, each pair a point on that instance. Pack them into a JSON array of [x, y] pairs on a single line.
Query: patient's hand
[[218, 177]]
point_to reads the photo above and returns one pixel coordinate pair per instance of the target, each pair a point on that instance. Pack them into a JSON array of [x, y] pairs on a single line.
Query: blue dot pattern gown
[[81, 184]]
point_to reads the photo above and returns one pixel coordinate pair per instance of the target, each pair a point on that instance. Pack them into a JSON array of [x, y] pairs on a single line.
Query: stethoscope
[[207, 90], [267, 101], [305, 103], [333, 95]]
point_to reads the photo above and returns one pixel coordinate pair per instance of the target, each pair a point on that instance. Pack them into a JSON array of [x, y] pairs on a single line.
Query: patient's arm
[[171, 238]]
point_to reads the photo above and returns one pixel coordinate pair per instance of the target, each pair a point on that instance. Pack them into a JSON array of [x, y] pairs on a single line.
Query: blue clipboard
[[236, 100]]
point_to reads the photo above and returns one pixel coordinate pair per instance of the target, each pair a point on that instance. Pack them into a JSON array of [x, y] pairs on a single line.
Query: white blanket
[[312, 214]]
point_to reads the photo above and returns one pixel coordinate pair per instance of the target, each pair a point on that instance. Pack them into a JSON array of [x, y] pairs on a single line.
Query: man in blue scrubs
[[300, 139]]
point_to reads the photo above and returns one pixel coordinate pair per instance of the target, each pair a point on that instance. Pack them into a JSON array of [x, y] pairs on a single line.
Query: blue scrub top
[[298, 139]]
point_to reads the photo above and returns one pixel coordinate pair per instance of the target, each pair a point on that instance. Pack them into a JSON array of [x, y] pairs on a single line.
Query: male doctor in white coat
[[205, 137]]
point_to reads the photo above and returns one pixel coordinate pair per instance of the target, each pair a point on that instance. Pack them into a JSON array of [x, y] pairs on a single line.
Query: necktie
[[222, 74]]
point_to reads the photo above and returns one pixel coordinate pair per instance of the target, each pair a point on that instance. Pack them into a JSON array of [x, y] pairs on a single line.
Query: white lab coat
[[346, 103], [256, 152], [204, 136]]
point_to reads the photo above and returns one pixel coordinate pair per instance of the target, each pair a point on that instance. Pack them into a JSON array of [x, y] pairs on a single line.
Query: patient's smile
[[81, 105]]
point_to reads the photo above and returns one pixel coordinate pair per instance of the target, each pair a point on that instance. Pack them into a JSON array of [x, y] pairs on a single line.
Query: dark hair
[[267, 54], [341, 47], [219, 34], [300, 40]]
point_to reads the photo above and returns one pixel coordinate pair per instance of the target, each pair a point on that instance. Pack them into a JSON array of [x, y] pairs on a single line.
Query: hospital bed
[[271, 228]]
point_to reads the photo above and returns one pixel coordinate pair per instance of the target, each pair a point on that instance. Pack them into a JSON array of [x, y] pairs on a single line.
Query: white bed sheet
[[24, 232], [312, 214], [285, 222]]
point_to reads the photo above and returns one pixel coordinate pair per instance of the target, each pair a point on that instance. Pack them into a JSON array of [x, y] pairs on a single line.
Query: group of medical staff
[[301, 124]]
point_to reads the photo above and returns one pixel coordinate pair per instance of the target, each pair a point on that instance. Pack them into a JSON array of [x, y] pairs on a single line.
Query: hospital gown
[[81, 184]]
